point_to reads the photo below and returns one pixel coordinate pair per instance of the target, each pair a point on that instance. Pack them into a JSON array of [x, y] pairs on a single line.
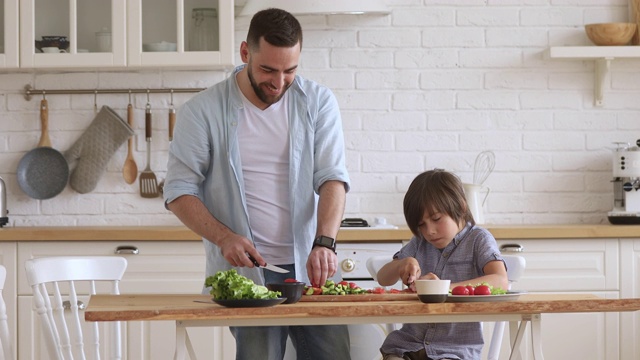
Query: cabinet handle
[[67, 305], [511, 248], [127, 249]]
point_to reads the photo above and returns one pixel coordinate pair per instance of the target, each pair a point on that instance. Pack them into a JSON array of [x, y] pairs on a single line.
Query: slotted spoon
[[483, 166]]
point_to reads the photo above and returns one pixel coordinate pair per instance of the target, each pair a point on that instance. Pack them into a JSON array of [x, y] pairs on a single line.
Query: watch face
[[325, 241]]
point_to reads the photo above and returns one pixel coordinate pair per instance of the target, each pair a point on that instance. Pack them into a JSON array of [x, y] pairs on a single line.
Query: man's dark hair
[[276, 26]]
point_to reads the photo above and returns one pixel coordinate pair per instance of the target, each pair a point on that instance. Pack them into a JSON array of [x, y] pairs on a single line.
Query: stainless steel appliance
[[3, 204], [626, 183]]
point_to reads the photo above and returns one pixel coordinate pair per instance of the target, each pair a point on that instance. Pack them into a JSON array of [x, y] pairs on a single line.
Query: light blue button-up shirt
[[204, 161]]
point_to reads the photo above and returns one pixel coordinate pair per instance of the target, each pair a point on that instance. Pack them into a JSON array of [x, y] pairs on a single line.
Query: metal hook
[[44, 96], [148, 101], [171, 97], [95, 101], [129, 96]]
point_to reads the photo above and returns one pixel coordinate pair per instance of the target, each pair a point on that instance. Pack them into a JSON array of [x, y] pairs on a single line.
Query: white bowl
[[161, 46]]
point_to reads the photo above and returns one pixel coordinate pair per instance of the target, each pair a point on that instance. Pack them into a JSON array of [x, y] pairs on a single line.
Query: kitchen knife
[[268, 267]]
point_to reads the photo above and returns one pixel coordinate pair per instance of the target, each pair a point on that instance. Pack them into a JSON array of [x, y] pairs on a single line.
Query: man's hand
[[235, 248], [321, 265]]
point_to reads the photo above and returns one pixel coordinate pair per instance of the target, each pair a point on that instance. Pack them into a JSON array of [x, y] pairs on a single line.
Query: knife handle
[[254, 261]]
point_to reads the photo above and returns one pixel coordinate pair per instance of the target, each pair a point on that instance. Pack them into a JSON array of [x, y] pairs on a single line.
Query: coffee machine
[[626, 184]]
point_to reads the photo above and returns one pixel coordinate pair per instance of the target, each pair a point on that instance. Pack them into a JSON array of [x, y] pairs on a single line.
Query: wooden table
[[199, 310]]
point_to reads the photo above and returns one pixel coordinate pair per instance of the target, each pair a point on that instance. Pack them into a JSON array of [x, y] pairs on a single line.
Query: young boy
[[448, 245]]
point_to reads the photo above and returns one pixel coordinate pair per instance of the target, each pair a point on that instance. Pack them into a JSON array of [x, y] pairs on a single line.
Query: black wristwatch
[[325, 241]]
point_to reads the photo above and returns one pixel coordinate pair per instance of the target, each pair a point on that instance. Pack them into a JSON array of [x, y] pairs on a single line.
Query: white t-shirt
[[263, 137]]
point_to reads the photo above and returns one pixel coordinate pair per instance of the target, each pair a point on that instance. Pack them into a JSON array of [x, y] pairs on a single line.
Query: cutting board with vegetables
[[360, 297]]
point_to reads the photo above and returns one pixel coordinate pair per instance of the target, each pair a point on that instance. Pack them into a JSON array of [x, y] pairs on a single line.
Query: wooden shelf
[[602, 55]]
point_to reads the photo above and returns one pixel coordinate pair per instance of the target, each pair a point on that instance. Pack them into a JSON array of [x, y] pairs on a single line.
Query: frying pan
[[43, 172]]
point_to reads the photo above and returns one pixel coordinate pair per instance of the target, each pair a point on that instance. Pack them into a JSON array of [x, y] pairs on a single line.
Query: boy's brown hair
[[435, 191]]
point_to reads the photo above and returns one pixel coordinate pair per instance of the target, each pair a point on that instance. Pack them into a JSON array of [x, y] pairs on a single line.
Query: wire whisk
[[483, 166]]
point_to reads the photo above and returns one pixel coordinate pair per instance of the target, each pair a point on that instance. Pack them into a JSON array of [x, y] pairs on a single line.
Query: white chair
[[374, 264], [515, 268], [58, 284], [5, 338]]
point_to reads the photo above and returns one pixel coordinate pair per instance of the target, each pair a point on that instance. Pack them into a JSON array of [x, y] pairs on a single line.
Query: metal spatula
[[148, 180]]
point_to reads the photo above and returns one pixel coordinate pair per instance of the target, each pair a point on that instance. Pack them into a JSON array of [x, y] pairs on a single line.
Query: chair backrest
[[515, 267], [375, 263], [5, 338], [58, 283]]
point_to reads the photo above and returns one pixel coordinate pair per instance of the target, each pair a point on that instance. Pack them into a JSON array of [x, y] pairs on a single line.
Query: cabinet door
[[630, 280], [180, 33], [8, 260], [9, 33], [175, 267], [95, 30], [568, 265]]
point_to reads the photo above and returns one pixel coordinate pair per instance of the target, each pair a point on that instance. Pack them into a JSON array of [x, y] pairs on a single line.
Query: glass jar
[[203, 35]]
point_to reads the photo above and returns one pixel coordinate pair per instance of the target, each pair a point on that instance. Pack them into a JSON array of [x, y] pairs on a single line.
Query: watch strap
[[325, 241]]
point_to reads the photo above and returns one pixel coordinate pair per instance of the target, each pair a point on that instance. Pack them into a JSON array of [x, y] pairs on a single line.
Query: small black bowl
[[291, 290], [433, 298]]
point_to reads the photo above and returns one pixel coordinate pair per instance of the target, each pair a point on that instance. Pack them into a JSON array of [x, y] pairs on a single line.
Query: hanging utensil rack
[[29, 91]]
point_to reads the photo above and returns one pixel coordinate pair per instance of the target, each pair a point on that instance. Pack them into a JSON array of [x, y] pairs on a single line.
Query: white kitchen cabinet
[[9, 34], [8, 260], [157, 267], [136, 29], [172, 21], [630, 278], [79, 21], [573, 265]]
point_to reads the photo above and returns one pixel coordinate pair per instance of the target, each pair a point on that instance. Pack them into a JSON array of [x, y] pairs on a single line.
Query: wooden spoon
[[130, 169], [636, 17]]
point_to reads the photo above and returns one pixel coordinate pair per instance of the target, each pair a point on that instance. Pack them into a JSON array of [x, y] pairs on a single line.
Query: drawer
[[175, 267], [568, 265]]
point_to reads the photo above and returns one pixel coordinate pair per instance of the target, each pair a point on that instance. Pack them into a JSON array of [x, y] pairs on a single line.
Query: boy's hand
[[409, 271]]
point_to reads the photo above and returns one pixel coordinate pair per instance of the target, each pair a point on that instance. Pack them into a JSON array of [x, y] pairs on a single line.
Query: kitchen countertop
[[179, 233]]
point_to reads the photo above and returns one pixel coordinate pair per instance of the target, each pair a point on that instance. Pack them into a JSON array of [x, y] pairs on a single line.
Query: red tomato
[[395, 291], [353, 285], [482, 290], [317, 291], [290, 280], [343, 283], [471, 289], [460, 290], [378, 290]]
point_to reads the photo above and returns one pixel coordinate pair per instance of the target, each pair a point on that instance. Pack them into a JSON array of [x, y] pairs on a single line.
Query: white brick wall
[[430, 85]]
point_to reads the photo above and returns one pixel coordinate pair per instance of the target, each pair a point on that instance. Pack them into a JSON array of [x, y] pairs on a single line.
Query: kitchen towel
[[89, 156]]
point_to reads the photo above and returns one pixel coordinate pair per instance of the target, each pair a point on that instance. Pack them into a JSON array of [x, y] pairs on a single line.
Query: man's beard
[[261, 94]]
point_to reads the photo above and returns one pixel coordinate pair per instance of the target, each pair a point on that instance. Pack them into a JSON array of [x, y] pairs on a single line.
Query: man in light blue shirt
[[257, 167]]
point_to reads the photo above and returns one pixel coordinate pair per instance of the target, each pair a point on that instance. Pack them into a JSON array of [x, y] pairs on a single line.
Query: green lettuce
[[229, 285]]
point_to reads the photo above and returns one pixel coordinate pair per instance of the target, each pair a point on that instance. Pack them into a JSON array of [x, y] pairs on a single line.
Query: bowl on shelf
[[610, 34], [291, 290], [61, 42], [160, 46]]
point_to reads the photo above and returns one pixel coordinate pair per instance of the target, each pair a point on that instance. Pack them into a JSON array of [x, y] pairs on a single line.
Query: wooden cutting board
[[359, 297]]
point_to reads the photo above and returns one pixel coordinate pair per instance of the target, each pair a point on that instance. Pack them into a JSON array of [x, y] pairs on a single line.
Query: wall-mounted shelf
[[602, 55]]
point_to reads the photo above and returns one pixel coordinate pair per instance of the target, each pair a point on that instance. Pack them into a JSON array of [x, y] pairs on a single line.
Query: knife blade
[[268, 266]]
